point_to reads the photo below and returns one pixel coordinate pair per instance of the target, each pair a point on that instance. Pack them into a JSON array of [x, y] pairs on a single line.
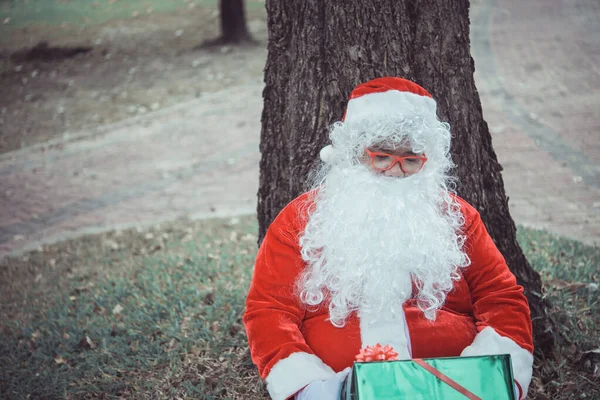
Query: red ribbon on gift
[[446, 379]]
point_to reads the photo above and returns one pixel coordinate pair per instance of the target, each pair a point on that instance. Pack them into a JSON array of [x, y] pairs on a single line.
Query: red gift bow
[[377, 353], [387, 353]]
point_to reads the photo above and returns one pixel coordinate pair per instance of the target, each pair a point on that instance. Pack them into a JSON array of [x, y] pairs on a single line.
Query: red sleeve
[[500, 308], [498, 301], [274, 313]]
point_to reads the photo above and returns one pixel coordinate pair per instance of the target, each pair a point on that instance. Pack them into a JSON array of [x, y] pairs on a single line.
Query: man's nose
[[395, 171]]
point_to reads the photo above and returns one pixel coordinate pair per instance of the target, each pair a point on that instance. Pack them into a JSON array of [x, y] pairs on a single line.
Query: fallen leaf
[[99, 310], [560, 285], [87, 344], [59, 360], [112, 244], [171, 344], [249, 237], [195, 351], [155, 248], [81, 289], [117, 310]]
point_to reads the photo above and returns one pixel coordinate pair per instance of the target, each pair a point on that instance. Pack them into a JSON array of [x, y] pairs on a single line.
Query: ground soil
[[133, 66]]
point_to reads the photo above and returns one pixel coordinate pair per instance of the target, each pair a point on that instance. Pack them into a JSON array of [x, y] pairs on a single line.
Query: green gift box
[[486, 377]]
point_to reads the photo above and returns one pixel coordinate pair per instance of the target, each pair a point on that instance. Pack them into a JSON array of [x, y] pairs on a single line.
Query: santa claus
[[381, 251]]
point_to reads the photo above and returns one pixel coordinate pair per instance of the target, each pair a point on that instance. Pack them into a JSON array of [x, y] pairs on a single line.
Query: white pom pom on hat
[[381, 96], [326, 154]]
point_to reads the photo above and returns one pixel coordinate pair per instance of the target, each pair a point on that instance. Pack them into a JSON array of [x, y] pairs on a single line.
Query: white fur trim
[[327, 153], [489, 342], [390, 102], [374, 328], [294, 372]]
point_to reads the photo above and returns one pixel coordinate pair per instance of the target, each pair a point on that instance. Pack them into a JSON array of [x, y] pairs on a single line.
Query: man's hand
[[330, 389]]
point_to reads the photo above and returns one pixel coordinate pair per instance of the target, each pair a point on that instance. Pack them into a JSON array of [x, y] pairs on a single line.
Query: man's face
[[368, 236], [399, 161]]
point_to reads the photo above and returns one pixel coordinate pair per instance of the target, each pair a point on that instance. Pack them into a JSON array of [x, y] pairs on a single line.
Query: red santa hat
[[384, 96]]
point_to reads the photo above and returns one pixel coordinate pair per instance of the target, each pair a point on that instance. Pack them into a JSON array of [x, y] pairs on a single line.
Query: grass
[[160, 319], [22, 13], [570, 272], [157, 315]]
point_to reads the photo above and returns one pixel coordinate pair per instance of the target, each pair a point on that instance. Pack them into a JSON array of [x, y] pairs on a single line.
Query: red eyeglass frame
[[397, 160]]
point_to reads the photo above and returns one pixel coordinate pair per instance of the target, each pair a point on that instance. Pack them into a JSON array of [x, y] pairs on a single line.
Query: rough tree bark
[[233, 22], [319, 50]]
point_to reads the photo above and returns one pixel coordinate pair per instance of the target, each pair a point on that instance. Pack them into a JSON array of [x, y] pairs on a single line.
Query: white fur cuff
[[391, 102], [294, 372], [489, 342]]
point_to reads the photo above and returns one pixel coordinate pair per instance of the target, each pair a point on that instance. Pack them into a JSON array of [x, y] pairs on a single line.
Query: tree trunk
[[233, 22], [320, 50]]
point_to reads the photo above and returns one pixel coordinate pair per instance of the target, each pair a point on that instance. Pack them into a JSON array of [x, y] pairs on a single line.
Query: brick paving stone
[[538, 77]]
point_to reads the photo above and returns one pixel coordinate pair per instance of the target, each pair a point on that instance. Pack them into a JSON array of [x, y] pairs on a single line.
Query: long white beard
[[369, 237]]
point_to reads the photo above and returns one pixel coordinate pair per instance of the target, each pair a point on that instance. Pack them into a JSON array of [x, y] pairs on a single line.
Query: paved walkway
[[537, 71], [196, 159], [539, 87]]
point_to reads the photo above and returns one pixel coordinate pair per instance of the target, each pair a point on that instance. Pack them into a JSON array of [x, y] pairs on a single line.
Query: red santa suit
[[485, 313]]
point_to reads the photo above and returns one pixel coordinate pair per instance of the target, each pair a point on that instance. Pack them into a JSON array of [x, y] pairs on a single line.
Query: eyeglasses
[[385, 162]]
